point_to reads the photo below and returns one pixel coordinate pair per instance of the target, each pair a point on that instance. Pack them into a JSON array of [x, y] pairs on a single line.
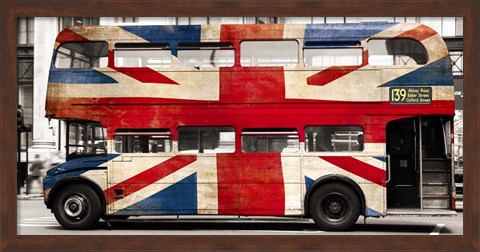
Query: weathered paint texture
[[240, 97]]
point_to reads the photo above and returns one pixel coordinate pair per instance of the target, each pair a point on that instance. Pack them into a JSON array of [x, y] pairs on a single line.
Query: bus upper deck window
[[269, 53], [82, 55], [333, 56], [396, 52], [142, 55], [206, 55]]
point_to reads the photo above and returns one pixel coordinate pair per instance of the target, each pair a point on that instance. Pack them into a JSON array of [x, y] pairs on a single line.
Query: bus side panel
[[126, 181], [259, 184], [250, 184], [149, 185], [293, 184], [357, 85], [375, 193], [367, 172]]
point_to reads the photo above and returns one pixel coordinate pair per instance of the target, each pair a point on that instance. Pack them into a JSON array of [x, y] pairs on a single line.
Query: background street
[[33, 218]]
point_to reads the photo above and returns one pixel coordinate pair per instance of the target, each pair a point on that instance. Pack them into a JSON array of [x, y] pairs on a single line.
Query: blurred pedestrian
[[35, 172]]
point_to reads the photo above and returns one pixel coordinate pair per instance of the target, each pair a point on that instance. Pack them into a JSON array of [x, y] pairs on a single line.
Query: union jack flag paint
[[239, 96]]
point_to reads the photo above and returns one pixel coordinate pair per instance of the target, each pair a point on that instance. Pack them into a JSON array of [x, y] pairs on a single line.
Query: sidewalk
[[36, 192]]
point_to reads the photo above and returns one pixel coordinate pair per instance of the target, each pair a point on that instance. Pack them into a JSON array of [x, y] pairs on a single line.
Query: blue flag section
[[179, 198]]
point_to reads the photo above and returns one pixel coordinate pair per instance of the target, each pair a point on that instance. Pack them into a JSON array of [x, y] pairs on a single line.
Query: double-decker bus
[[325, 121]]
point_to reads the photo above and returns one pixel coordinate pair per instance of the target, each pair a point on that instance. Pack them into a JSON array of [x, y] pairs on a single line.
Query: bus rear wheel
[[77, 207], [334, 207]]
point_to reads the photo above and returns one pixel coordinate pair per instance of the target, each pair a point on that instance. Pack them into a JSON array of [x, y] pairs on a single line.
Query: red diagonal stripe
[[145, 75], [334, 72], [330, 74], [149, 176], [69, 35], [420, 33], [359, 168]]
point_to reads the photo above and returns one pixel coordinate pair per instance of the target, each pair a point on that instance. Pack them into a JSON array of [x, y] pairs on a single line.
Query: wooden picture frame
[[10, 10]]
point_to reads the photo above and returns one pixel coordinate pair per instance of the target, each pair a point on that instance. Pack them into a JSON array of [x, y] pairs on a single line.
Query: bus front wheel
[[334, 207], [77, 207]]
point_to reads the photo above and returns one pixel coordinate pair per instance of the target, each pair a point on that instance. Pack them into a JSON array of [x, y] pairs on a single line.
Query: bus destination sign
[[410, 95]]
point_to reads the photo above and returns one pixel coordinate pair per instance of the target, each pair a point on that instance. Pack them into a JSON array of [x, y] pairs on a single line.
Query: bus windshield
[[85, 138]]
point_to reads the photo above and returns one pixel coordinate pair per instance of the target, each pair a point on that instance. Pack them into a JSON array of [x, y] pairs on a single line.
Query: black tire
[[77, 207], [334, 207], [120, 217]]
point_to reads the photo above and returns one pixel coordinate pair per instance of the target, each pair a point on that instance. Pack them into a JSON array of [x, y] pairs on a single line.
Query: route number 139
[[398, 95]]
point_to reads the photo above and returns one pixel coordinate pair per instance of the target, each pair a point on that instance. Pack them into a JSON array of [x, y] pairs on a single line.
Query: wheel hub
[[335, 207], [74, 206]]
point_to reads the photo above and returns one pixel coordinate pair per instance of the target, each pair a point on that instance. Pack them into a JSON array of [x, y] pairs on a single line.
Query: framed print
[[120, 59]]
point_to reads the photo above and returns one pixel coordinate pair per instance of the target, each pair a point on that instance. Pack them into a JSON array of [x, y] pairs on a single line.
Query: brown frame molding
[[11, 9]]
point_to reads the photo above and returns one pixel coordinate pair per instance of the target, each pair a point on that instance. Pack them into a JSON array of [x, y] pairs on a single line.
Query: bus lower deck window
[[143, 141], [334, 138], [270, 140], [206, 139]]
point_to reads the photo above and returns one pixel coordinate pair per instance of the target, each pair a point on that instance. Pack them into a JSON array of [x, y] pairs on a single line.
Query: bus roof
[[238, 32]]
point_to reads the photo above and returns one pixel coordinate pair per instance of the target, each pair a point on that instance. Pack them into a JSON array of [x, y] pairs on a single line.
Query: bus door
[[403, 186], [420, 163]]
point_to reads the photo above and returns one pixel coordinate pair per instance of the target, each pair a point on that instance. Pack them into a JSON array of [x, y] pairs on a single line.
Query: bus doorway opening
[[420, 163]]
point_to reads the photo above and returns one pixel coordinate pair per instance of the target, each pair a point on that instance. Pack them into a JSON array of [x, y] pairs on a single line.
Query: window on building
[[82, 55], [225, 20], [396, 52], [76, 21], [25, 41], [143, 140], [198, 20], [25, 99], [456, 57], [270, 140], [206, 139], [142, 55], [25, 31], [459, 26], [332, 56], [266, 20], [129, 19], [269, 53], [334, 138], [206, 55], [24, 69]]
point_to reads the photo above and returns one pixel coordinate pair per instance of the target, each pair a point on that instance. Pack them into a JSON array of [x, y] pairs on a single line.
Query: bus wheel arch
[[77, 204], [336, 188], [76, 180]]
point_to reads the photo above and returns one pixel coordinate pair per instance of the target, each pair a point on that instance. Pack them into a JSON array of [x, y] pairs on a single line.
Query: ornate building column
[[46, 29]]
